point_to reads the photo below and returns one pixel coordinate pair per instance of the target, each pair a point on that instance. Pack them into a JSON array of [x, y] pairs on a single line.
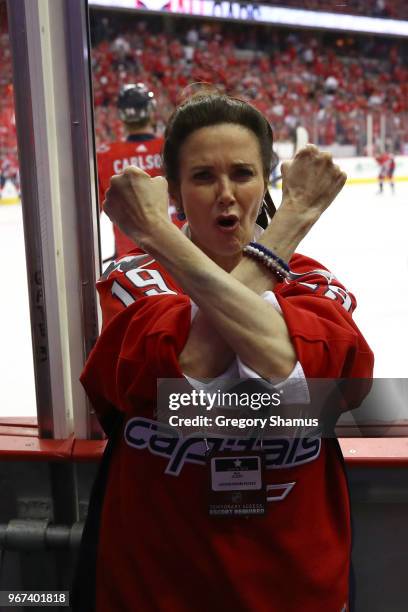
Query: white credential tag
[[236, 473]]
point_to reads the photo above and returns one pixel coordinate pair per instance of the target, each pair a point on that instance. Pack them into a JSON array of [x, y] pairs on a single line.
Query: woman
[[202, 304]]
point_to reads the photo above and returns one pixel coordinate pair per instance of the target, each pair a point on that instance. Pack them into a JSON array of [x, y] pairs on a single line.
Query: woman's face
[[221, 189]]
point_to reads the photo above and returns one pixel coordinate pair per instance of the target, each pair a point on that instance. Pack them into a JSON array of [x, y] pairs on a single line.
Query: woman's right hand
[[137, 203], [310, 183]]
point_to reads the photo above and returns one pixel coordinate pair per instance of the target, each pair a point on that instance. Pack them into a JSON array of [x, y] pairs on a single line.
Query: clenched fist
[[136, 203], [310, 182]]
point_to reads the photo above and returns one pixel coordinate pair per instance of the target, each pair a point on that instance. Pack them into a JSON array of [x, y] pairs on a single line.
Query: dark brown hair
[[213, 108]]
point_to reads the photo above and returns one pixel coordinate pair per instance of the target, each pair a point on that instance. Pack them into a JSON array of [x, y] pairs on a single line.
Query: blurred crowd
[[8, 145], [325, 82]]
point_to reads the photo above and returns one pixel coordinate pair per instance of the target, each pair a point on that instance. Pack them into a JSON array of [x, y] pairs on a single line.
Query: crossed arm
[[233, 318]]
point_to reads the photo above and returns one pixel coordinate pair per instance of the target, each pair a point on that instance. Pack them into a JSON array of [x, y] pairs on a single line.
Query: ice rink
[[362, 238]]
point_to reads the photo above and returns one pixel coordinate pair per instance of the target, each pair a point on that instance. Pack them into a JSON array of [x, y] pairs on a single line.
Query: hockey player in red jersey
[[386, 163], [142, 148], [218, 301]]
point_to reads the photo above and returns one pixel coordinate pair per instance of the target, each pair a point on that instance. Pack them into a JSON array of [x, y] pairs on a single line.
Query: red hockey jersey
[[386, 162], [113, 158], [158, 548]]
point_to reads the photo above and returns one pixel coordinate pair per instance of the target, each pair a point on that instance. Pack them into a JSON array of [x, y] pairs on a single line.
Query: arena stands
[[326, 82], [8, 147]]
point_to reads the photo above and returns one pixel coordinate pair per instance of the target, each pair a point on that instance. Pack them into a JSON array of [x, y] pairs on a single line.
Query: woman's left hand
[[137, 203], [310, 183]]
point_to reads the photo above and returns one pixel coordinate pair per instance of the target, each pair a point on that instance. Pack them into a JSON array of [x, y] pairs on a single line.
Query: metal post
[[370, 147], [78, 47], [54, 129], [383, 131]]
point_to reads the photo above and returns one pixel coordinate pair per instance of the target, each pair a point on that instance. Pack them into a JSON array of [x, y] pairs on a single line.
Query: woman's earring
[[180, 215]]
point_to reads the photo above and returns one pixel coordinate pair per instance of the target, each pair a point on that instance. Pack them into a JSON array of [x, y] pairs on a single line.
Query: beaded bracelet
[[268, 258], [270, 253]]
